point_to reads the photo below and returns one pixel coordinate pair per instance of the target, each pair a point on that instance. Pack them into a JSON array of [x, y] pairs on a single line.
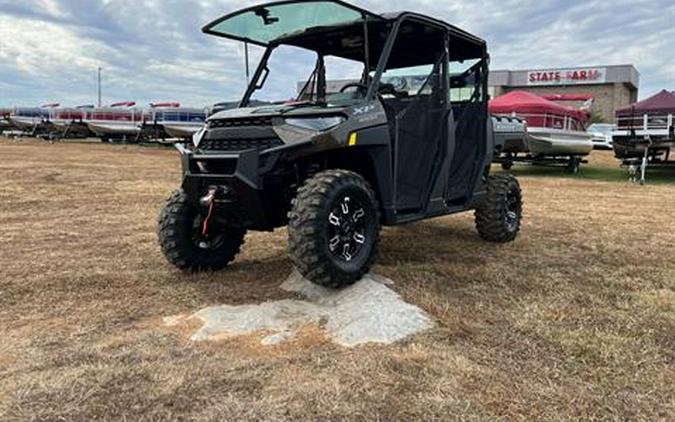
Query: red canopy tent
[[538, 111], [661, 103]]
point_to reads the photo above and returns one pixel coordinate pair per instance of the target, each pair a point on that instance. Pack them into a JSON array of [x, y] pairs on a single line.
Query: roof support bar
[[366, 47]]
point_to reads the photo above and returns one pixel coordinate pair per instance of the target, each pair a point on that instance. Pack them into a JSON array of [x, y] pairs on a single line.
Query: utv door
[[469, 107], [413, 92]]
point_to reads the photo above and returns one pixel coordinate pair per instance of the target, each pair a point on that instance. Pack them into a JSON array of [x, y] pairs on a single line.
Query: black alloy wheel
[[333, 228]]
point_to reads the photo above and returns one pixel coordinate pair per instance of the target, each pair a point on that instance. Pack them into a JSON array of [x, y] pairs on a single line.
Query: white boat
[[72, 122], [553, 130], [5, 124], [120, 121], [185, 124], [25, 118], [169, 120], [63, 117]]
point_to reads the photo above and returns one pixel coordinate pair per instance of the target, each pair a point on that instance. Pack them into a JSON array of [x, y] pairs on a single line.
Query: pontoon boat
[[4, 119], [170, 120], [554, 130], [119, 121], [646, 125], [26, 118], [72, 122], [645, 134]]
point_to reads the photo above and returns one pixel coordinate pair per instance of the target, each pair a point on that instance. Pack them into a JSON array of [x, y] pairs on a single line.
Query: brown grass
[[576, 320]]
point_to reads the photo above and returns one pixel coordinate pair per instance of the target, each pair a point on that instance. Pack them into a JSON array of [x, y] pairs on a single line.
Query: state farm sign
[[567, 77]]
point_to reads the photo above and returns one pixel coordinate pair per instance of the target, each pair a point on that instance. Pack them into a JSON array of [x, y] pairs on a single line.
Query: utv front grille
[[243, 122], [231, 145], [225, 166]]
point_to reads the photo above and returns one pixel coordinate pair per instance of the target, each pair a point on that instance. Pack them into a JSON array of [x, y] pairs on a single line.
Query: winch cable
[[205, 225]]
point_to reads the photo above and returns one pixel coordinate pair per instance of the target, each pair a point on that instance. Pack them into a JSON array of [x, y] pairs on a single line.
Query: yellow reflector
[[352, 139]]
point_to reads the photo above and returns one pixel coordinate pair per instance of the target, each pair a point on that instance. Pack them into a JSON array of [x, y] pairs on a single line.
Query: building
[[612, 87]]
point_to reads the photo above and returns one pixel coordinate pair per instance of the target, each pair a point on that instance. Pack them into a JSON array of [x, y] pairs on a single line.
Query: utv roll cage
[[379, 34]]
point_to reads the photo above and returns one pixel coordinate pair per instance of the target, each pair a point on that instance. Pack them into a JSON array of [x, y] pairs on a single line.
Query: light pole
[[99, 87]]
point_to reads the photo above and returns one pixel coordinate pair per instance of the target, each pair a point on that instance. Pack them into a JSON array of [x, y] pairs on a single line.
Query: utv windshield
[[263, 24], [303, 83]]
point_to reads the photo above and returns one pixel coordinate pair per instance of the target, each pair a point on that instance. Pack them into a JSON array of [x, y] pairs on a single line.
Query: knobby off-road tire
[[499, 216], [180, 237], [333, 209]]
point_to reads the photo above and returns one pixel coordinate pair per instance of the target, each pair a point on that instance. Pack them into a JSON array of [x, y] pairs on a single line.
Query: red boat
[[553, 130], [119, 120]]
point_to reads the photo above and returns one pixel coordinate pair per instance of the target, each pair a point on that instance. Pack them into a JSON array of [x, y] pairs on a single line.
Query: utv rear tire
[[499, 216], [182, 242], [334, 228]]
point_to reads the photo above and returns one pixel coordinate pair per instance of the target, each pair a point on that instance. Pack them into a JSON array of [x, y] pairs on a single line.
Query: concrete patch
[[368, 312]]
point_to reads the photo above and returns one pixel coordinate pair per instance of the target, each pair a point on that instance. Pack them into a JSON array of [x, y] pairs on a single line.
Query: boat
[[183, 123], [72, 122], [553, 130], [646, 128], [32, 119], [170, 120], [117, 121], [5, 124]]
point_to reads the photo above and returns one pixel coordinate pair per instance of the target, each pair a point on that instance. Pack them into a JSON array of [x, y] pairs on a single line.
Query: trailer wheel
[[334, 228], [183, 244], [574, 165], [507, 165], [499, 216]]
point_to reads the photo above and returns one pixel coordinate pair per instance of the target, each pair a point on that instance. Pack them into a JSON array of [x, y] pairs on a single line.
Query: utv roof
[[269, 23]]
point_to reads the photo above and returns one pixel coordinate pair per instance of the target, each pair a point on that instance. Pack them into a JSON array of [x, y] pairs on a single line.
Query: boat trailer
[[572, 163]]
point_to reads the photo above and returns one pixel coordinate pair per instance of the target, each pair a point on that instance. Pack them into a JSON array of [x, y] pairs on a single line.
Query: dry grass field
[[575, 320]]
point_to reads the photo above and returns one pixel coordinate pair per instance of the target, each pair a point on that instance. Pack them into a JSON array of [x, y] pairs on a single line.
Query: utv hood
[[288, 124], [282, 110]]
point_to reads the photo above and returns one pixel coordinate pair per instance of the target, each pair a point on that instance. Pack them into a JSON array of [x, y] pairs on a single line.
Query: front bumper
[[239, 173]]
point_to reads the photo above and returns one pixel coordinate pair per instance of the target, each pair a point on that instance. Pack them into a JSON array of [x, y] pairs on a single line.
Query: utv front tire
[[180, 237], [499, 216], [334, 228]]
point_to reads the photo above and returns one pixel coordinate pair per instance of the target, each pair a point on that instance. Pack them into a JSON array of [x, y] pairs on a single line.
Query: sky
[[154, 50]]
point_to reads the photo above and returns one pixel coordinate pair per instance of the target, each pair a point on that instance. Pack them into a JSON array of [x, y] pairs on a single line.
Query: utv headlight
[[318, 124], [197, 137]]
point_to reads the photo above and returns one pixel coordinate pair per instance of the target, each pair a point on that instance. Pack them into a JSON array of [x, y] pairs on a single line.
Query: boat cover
[[662, 103], [521, 102]]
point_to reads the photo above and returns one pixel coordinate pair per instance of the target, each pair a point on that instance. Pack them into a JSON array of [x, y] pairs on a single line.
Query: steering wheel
[[361, 88]]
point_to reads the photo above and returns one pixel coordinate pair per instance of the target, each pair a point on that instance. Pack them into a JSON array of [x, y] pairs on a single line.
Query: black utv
[[390, 127]]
